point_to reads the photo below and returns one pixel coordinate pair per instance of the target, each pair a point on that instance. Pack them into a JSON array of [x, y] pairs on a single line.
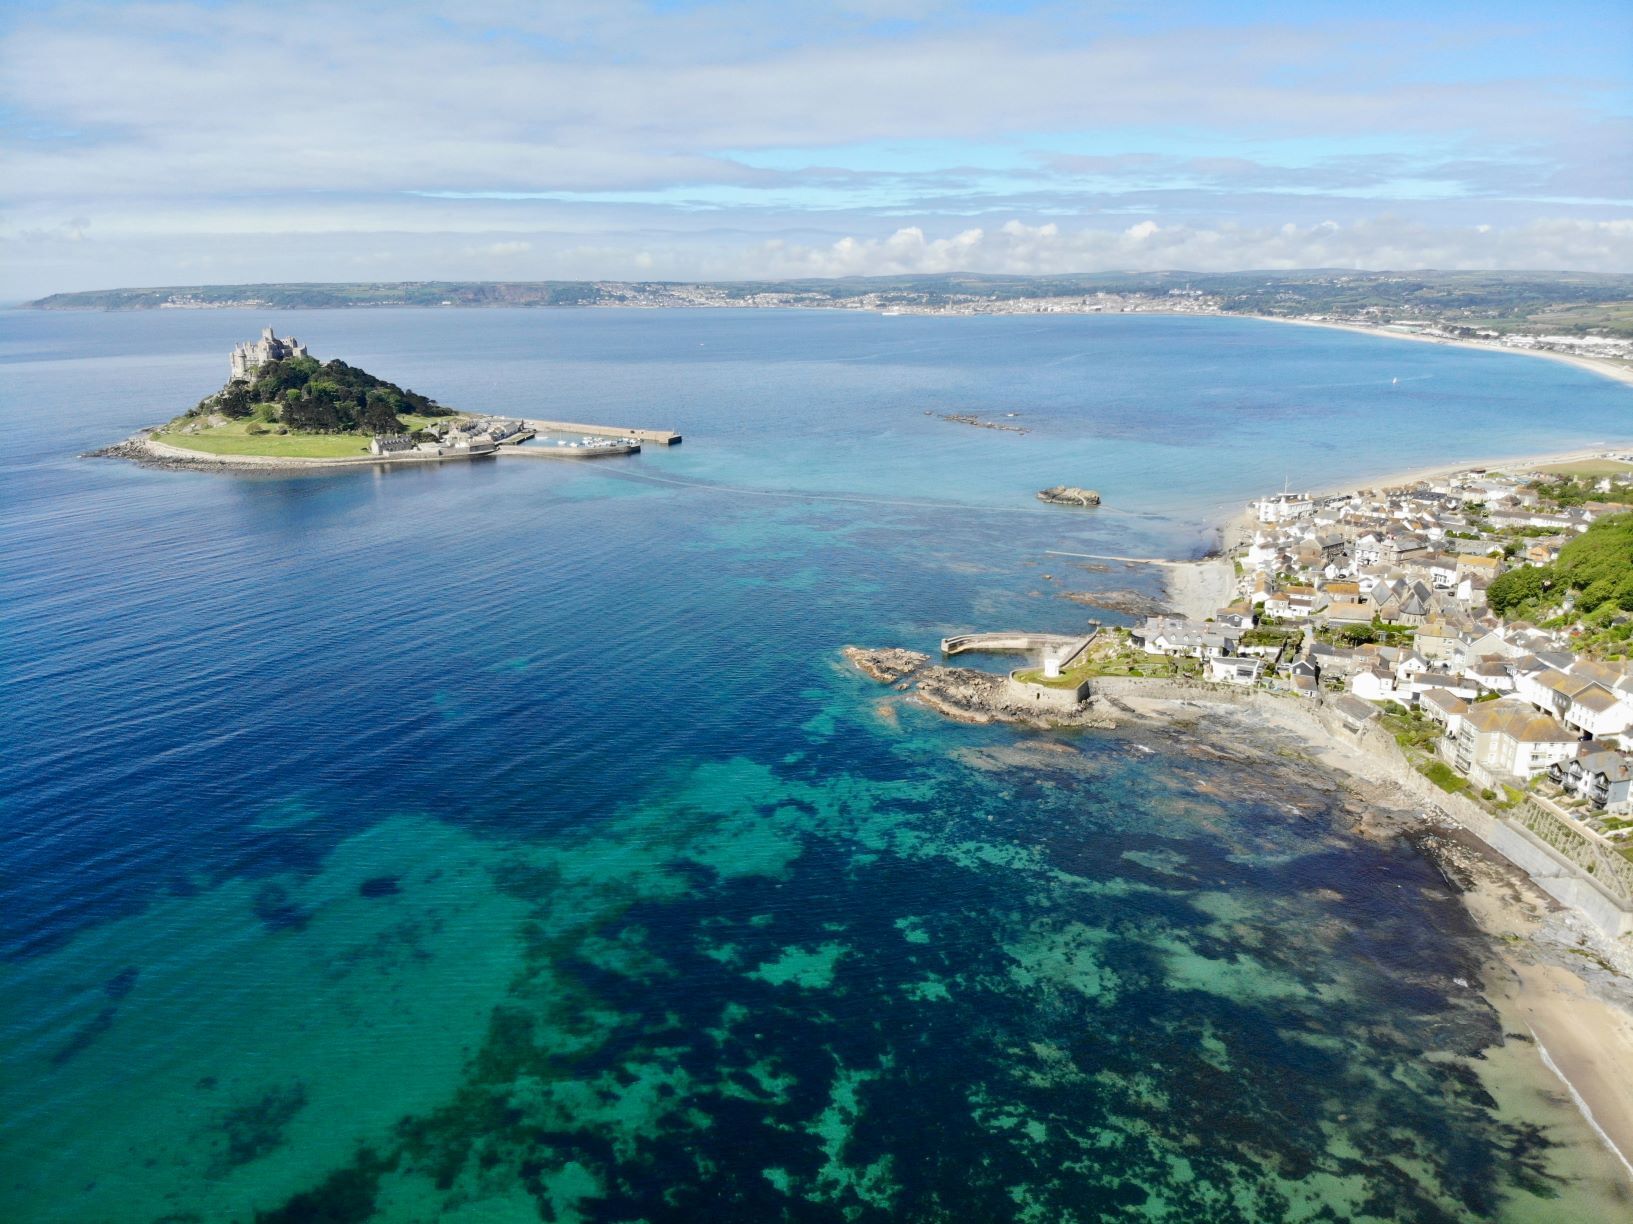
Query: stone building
[[252, 355]]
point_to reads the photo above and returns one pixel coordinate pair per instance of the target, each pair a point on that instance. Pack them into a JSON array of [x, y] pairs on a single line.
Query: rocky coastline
[[142, 450], [1553, 977], [139, 450], [1128, 602], [961, 693]]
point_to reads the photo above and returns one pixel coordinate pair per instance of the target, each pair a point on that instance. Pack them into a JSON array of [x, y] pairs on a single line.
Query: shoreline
[[1548, 974], [1546, 969], [1594, 365], [141, 449], [1414, 475]]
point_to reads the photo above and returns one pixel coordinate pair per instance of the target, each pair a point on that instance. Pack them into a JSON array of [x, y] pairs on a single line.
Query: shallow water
[[506, 838]]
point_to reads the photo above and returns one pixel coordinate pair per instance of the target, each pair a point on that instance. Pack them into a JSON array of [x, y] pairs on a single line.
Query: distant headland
[[282, 407]]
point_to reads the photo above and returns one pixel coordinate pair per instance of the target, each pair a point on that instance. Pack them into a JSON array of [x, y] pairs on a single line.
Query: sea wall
[[1549, 851], [1047, 697], [1568, 881]]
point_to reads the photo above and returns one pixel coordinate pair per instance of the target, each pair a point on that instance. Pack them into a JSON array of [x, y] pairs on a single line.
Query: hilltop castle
[[252, 355]]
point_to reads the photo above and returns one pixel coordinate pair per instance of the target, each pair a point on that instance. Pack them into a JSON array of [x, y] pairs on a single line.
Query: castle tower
[[249, 356]]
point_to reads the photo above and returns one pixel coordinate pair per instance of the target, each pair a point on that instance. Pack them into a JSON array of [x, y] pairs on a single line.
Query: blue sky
[[177, 142]]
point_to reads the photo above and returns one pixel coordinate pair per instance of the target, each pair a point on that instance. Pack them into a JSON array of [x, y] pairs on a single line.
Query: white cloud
[[501, 248], [40, 266], [1382, 243], [144, 135]]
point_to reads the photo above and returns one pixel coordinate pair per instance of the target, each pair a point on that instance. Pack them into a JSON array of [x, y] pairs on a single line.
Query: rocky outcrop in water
[[969, 418], [1069, 495], [887, 665], [960, 693], [1128, 602], [137, 450]]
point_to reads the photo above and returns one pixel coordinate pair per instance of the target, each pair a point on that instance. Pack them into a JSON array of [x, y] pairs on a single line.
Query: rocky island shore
[[282, 409], [1069, 495]]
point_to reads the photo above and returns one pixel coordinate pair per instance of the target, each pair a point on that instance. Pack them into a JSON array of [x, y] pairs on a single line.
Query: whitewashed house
[[1508, 741]]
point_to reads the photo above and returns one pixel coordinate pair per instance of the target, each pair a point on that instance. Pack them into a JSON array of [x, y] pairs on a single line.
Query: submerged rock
[[1129, 602], [1069, 495]]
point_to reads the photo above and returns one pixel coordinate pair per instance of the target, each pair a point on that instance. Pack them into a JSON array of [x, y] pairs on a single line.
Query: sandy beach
[[1608, 369], [1198, 589], [1490, 464]]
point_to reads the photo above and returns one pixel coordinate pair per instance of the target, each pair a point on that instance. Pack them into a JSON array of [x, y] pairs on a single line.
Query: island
[[282, 407]]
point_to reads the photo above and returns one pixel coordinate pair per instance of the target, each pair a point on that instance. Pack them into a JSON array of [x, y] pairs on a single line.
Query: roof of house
[[1444, 701], [1355, 708], [1518, 722], [1597, 698], [1612, 764]]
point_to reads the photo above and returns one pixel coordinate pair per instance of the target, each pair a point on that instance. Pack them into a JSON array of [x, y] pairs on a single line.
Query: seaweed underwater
[[929, 999]]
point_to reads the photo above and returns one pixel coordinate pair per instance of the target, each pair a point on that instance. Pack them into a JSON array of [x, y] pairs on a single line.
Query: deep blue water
[[507, 838]]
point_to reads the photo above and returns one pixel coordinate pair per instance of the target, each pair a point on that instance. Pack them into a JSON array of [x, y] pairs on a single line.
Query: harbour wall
[[665, 437], [570, 452], [1047, 697]]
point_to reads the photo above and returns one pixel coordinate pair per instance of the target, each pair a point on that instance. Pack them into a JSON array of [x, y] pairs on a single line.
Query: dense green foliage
[[1599, 565], [1596, 569], [1442, 775], [1518, 588], [328, 397], [1567, 491]]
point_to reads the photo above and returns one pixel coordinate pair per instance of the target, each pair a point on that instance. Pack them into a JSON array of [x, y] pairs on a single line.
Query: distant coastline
[[1609, 369]]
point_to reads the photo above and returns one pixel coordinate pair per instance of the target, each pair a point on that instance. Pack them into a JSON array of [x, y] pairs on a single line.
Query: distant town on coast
[[1579, 315]]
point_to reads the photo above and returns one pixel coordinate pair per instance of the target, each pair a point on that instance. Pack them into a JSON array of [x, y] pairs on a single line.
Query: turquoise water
[[506, 840]]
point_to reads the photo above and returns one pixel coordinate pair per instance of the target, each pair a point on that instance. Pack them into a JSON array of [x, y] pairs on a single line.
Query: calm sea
[[506, 841]]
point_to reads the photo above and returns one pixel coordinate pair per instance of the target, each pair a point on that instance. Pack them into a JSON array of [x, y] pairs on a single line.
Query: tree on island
[[328, 397], [235, 402]]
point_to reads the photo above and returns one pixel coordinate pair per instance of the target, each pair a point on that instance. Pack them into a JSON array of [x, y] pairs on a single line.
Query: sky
[[195, 142]]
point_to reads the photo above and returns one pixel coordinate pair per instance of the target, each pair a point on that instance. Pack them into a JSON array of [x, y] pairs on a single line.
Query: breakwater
[[664, 437], [598, 451]]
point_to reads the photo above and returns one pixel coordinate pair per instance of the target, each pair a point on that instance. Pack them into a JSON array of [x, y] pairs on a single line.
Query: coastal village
[[1377, 602], [1388, 608], [1391, 616], [1597, 336]]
